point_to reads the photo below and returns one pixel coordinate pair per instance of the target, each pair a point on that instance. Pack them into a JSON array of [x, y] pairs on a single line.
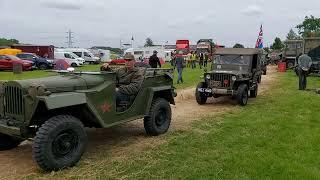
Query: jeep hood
[[63, 83], [230, 69]]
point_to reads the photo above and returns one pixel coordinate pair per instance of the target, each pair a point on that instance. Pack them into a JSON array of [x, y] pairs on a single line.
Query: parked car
[[71, 58], [41, 63], [118, 62], [7, 61], [85, 54]]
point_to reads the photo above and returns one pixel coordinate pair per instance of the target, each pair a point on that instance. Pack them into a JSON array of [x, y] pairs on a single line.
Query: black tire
[[242, 95], [74, 65], [290, 65], [259, 79], [43, 66], [7, 142], [201, 99], [159, 118], [59, 143], [254, 93]]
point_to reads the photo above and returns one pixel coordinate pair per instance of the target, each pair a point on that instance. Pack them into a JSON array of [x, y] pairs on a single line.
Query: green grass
[[190, 76], [277, 136]]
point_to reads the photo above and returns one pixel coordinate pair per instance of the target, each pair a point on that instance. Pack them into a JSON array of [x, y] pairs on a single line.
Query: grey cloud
[[253, 10], [62, 5]]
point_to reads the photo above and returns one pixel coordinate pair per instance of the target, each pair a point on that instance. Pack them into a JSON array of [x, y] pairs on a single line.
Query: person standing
[[193, 60], [179, 64], [304, 64], [154, 60], [201, 60], [206, 58]]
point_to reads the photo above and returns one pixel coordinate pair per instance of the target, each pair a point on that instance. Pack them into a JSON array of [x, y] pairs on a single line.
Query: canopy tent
[[9, 51]]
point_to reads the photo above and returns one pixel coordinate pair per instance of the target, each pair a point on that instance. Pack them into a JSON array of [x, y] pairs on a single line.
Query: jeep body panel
[[91, 97]]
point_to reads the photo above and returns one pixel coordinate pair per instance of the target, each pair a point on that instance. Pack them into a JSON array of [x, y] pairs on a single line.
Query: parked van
[[72, 59], [85, 54]]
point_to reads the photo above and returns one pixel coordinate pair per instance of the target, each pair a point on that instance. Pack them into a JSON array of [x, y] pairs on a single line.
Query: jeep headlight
[[234, 78], [37, 90], [208, 76]]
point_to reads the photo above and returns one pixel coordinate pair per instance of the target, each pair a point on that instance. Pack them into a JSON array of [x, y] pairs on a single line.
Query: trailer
[[46, 51]]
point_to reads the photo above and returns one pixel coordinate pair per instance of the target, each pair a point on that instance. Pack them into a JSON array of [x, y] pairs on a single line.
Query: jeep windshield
[[232, 59]]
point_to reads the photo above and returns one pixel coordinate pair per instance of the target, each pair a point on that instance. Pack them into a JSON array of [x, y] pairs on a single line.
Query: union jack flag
[[259, 43]]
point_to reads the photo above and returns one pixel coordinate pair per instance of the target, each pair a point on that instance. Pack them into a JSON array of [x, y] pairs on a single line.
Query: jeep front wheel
[[242, 95], [59, 143], [7, 142], [159, 118], [200, 97]]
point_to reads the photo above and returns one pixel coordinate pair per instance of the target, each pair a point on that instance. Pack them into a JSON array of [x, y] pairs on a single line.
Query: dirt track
[[128, 138]]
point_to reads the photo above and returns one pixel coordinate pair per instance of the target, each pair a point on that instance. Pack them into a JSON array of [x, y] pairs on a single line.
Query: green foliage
[[8, 42], [277, 45], [149, 42], [292, 35], [237, 45], [267, 49], [310, 27]]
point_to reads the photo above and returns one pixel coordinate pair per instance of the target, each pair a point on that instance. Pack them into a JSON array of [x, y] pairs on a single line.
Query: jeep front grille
[[14, 102], [220, 80]]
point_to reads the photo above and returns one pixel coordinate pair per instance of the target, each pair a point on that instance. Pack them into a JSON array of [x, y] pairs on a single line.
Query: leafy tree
[[277, 45], [267, 49], [149, 42], [8, 42], [310, 27], [237, 45], [292, 35]]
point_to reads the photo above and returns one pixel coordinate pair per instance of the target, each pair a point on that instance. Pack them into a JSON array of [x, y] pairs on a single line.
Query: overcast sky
[[106, 22]]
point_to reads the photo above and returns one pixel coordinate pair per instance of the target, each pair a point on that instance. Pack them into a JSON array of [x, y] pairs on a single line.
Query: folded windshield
[[231, 59]]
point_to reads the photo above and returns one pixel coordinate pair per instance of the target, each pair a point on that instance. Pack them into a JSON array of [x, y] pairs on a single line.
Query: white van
[[85, 54], [72, 59]]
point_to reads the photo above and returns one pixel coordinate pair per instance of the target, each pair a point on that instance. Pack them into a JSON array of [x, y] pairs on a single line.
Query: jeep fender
[[55, 101], [165, 92]]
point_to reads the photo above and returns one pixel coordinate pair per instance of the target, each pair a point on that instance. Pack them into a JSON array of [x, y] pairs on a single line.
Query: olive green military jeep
[[235, 72], [55, 111]]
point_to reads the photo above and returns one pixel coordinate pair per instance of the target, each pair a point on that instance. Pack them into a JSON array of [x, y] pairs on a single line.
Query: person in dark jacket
[[179, 64], [154, 60], [129, 79]]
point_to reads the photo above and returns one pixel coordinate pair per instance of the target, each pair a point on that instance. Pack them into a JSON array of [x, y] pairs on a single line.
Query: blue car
[[41, 63]]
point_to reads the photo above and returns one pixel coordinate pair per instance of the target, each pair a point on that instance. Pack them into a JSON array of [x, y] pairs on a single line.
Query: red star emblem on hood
[[106, 107]]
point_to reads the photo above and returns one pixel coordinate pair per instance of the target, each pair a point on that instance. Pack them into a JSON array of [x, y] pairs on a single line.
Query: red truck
[[40, 50], [183, 45]]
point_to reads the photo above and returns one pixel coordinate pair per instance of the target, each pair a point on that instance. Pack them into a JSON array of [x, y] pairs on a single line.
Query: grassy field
[[277, 136], [190, 76]]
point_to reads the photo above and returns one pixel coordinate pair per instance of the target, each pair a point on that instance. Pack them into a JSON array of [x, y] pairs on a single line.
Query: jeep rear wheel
[[254, 92], [200, 97], [159, 118], [74, 65], [242, 95], [59, 143], [7, 142]]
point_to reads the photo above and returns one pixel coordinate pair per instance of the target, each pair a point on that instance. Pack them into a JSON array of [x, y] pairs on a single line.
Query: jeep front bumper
[[5, 127], [217, 91]]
